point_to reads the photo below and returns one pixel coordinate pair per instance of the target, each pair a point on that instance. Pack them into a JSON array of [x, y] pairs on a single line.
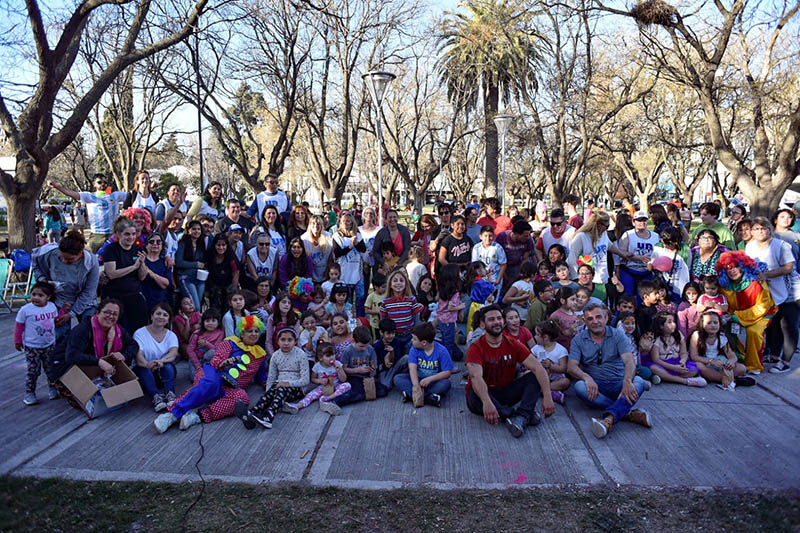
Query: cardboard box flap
[[121, 393], [79, 384]]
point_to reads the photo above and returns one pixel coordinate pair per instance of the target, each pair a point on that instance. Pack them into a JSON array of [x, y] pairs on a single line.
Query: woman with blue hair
[[220, 383]]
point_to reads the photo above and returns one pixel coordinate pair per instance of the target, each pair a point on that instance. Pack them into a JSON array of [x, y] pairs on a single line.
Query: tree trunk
[[22, 220], [491, 94], [419, 199]]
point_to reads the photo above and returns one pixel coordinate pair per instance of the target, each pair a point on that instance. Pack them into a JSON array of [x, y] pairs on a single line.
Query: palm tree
[[491, 46]]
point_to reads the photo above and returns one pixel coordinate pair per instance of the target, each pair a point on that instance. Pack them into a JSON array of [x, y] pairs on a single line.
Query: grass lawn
[[48, 505]]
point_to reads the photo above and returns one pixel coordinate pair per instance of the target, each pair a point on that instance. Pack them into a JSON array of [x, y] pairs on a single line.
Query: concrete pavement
[[702, 438]]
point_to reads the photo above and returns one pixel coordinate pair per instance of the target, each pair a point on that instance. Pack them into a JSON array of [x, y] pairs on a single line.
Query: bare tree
[[421, 127], [577, 99], [466, 166], [711, 47], [352, 42], [29, 122]]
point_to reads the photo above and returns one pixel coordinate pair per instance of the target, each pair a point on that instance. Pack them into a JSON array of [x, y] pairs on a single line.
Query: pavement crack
[[595, 459], [321, 439], [778, 396]]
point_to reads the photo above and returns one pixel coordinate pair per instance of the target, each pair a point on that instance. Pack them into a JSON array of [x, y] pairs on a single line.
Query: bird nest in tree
[[654, 12]]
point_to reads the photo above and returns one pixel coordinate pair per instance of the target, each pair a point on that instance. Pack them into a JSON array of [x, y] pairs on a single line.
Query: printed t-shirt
[[429, 365], [39, 324]]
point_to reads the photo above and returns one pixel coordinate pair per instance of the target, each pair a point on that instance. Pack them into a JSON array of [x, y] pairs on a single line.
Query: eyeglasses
[[110, 313], [154, 242], [556, 223], [263, 244]]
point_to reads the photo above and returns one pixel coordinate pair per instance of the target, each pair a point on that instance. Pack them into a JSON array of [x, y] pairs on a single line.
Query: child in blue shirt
[[429, 368]]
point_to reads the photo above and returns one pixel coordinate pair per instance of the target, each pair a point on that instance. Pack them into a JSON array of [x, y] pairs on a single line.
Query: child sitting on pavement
[[330, 378], [288, 374], [387, 350], [429, 369], [553, 357], [360, 364]]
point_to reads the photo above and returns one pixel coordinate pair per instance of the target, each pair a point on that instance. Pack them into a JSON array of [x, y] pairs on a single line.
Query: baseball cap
[[234, 227], [640, 214]]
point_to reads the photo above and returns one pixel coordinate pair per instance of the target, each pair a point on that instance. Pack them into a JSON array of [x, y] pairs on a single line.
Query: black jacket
[[77, 348]]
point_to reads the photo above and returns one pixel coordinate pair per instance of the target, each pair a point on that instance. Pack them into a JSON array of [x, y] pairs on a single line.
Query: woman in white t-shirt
[[154, 363], [347, 249], [782, 332], [319, 247], [592, 240]]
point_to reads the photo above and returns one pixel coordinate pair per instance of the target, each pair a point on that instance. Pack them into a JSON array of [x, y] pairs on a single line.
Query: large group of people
[[331, 307]]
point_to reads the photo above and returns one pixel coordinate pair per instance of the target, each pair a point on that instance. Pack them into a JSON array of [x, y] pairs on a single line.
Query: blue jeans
[[404, 341], [449, 341], [358, 296], [148, 377], [194, 289], [403, 382], [607, 393]]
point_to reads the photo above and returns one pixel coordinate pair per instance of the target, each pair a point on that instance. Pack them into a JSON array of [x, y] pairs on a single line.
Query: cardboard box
[[78, 380]]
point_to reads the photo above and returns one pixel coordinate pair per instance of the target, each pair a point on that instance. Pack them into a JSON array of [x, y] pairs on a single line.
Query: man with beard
[[492, 390]]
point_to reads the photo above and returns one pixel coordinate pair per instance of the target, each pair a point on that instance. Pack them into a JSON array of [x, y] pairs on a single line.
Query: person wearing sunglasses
[[601, 359], [156, 277], [102, 208], [559, 232]]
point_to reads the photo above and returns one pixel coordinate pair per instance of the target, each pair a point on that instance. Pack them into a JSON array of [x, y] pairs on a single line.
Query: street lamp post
[[502, 123], [378, 81]]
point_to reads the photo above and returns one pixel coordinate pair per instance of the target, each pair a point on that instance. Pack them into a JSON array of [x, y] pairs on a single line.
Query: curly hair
[[250, 321], [145, 214], [750, 268]]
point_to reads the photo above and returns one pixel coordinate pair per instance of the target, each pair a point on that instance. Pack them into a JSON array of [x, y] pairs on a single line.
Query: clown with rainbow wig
[[749, 303], [212, 397]]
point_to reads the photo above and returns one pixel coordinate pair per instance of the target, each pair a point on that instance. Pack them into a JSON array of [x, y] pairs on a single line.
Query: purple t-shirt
[[514, 249]]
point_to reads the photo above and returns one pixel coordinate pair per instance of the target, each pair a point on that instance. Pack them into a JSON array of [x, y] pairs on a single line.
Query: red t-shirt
[[523, 336], [500, 223], [499, 364]]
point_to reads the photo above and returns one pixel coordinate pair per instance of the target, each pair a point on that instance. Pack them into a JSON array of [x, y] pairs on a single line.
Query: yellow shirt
[[372, 303]]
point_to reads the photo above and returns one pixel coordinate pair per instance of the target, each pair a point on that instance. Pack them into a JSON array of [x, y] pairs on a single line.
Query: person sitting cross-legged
[[492, 390], [601, 358], [429, 368]]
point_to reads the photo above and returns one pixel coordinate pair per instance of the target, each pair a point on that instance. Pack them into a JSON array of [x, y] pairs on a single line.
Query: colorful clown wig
[[144, 213], [250, 321], [299, 286], [750, 268]]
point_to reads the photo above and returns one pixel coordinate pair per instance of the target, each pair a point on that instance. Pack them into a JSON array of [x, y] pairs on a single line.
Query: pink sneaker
[[696, 382], [557, 396]]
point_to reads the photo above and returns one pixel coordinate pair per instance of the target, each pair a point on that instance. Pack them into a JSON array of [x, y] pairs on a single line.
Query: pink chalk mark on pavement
[[521, 479]]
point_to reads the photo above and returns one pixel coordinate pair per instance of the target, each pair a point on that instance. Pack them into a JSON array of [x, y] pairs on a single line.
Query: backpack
[[22, 260]]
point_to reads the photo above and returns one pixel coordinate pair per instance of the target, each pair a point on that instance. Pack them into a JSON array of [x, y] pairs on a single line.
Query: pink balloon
[[662, 264]]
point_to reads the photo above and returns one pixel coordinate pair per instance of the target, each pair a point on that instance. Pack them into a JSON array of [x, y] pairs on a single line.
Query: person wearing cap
[[221, 383], [288, 374], [640, 242], [709, 215], [233, 215]]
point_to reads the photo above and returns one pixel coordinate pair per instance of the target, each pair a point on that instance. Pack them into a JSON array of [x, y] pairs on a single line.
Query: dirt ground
[[58, 505]]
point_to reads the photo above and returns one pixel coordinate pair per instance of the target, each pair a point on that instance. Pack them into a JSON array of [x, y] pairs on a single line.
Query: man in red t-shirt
[[494, 218], [571, 202], [492, 390]]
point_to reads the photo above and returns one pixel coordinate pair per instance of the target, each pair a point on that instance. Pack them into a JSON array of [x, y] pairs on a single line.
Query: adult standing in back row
[[271, 196], [494, 217], [102, 208], [559, 232], [640, 242]]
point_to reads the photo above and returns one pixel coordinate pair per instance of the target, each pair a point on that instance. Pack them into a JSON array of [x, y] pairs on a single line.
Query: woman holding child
[[395, 233]]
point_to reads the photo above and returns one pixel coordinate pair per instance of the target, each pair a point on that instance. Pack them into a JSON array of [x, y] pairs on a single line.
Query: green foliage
[[490, 45], [164, 183]]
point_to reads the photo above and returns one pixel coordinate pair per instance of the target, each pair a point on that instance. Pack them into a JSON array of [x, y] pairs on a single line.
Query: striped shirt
[[102, 211], [401, 311]]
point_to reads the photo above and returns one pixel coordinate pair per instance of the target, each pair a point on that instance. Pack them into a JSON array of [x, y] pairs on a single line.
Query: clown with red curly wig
[[211, 397], [749, 303]]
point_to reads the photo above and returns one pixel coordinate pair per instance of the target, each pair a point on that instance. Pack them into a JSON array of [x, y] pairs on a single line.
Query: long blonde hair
[[342, 228], [320, 240], [590, 226]]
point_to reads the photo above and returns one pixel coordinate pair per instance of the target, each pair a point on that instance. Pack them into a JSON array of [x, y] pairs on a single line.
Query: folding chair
[[24, 286], [5, 274]]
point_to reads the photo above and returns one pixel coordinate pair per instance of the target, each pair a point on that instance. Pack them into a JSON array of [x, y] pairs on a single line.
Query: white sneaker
[[754, 372], [164, 421], [330, 408], [189, 419], [289, 408], [696, 382]]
